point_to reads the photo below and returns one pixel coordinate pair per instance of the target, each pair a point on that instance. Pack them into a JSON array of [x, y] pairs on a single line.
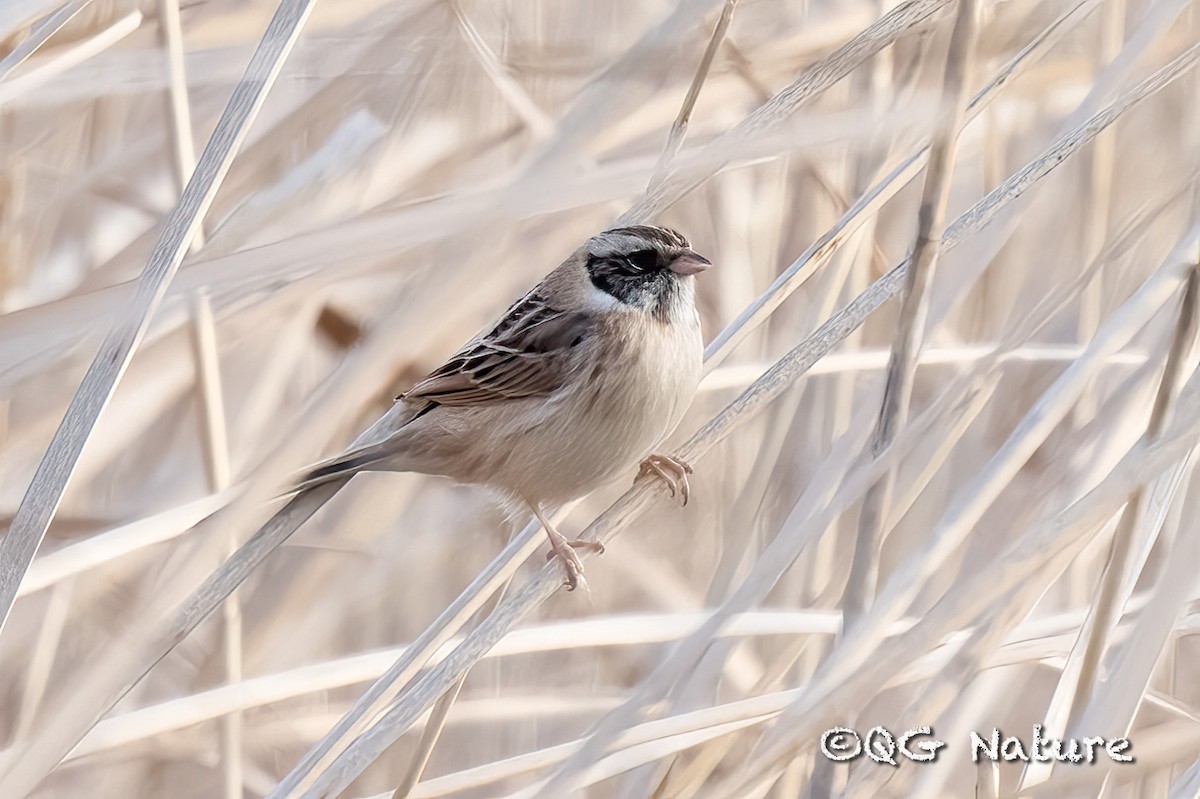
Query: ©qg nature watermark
[[920, 746]]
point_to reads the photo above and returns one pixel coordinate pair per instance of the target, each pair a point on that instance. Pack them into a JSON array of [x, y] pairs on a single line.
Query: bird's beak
[[690, 263]]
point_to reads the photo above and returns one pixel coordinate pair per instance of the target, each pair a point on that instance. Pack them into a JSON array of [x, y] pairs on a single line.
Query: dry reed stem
[[679, 127], [406, 667], [55, 567], [179, 114], [217, 469], [33, 77], [758, 709], [106, 682], [1102, 162], [540, 125], [1133, 529], [280, 528], [811, 83], [430, 735], [434, 726], [1188, 783], [869, 359], [914, 305], [42, 660], [1046, 310], [43, 30], [20, 13], [24, 769], [367, 746], [45, 491], [1010, 604], [213, 427], [1043, 639], [331, 575], [1130, 662], [529, 190], [868, 205], [994, 624], [851, 665], [1046, 542], [948, 436], [413, 702]]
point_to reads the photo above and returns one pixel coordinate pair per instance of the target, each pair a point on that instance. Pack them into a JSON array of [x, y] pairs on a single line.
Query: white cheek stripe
[[596, 300]]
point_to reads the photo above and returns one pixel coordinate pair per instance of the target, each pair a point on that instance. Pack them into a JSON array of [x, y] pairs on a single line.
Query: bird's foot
[[564, 549], [673, 471]]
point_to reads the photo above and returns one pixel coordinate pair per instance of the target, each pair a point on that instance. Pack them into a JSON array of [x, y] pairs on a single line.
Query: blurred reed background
[[1018, 543]]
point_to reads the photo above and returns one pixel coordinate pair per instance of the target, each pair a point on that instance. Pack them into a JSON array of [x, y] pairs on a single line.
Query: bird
[[578, 380]]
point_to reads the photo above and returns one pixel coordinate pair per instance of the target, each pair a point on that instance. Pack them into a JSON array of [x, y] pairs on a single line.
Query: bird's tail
[[337, 467], [375, 445]]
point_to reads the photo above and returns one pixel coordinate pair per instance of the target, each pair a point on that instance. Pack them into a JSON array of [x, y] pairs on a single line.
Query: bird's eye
[[642, 260]]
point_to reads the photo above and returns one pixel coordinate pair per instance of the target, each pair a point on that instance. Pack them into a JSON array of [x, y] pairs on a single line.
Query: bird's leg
[[673, 471], [564, 549]]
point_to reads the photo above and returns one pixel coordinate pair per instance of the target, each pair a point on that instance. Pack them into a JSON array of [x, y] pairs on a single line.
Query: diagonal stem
[[45, 491], [914, 307]]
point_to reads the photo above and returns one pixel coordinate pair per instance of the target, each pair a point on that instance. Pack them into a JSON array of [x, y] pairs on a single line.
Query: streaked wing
[[527, 354]]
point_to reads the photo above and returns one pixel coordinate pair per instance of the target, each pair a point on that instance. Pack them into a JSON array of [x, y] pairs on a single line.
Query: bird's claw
[[673, 471], [564, 550]]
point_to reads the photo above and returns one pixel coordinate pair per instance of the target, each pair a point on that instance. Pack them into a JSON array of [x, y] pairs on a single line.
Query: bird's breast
[[628, 391], [646, 370], [633, 390]]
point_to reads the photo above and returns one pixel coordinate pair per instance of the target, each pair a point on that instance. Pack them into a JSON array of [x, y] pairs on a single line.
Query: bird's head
[[644, 267]]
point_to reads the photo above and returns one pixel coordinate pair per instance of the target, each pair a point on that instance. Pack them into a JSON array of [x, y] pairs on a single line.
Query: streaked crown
[[625, 240]]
